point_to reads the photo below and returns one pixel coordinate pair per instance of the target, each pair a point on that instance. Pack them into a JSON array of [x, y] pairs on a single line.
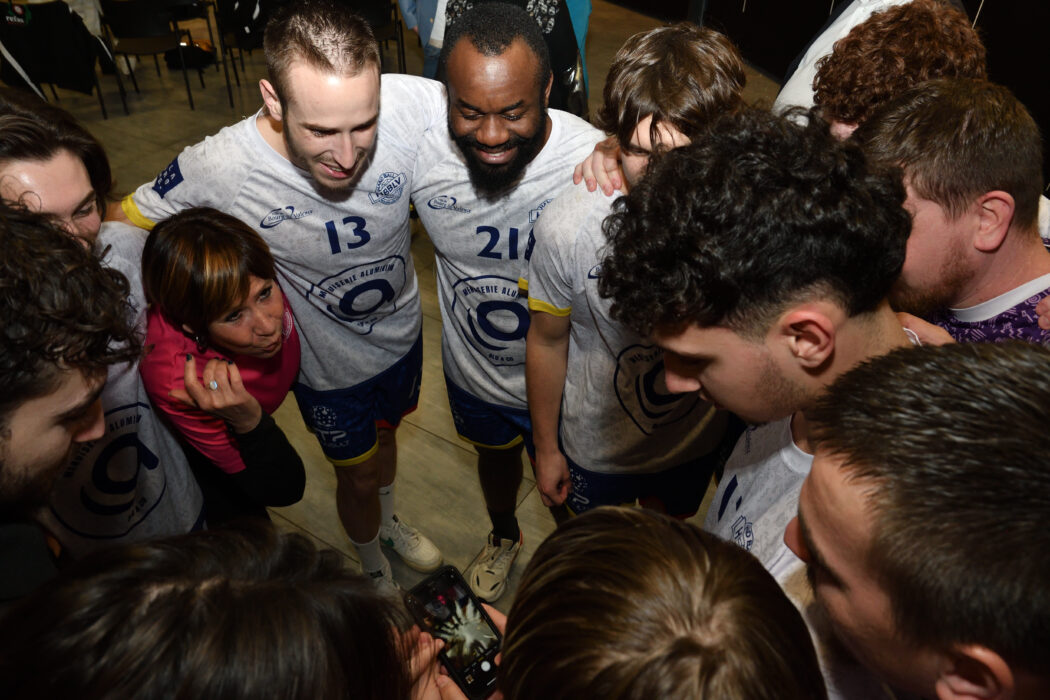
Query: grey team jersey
[[133, 483], [616, 413], [345, 265], [766, 468], [481, 249], [755, 500]]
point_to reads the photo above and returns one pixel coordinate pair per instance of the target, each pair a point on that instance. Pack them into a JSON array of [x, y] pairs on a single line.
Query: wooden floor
[[437, 488]]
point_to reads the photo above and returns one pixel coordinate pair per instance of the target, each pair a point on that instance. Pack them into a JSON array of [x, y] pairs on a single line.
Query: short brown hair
[[949, 446], [626, 603], [199, 263], [242, 614], [683, 75], [892, 50], [957, 139], [325, 35]]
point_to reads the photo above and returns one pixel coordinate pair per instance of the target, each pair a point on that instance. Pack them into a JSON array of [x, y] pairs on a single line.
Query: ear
[[547, 90], [270, 99], [809, 334], [973, 672], [995, 212]]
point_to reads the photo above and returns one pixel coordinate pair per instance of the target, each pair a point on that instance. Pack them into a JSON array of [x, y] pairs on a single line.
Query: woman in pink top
[[221, 354]]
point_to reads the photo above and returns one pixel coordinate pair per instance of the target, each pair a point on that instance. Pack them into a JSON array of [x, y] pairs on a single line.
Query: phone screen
[[446, 608]]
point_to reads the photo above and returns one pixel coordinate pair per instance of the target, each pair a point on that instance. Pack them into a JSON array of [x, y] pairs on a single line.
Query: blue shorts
[[677, 491], [485, 424], [345, 421]]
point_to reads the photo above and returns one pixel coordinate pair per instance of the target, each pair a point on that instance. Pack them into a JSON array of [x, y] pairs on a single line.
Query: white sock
[[386, 505], [372, 557]]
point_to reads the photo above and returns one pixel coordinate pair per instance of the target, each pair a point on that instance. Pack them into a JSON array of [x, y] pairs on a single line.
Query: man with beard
[[971, 160], [762, 335], [480, 186], [323, 179], [923, 519], [64, 323]]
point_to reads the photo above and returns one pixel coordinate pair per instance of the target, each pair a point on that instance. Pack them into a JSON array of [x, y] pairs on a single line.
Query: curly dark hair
[[492, 27], [892, 50], [59, 309], [950, 446], [759, 212]]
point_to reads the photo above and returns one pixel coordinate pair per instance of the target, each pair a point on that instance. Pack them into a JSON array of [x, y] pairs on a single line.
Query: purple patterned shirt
[[1017, 321]]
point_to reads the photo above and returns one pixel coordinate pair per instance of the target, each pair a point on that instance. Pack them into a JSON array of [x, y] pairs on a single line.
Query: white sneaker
[[413, 548], [384, 582], [488, 576]]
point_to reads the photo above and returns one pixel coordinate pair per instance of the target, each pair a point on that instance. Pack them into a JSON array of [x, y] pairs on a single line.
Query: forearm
[[546, 360], [274, 474]]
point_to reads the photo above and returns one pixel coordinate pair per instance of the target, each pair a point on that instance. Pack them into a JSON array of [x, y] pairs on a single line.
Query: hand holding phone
[[445, 607]]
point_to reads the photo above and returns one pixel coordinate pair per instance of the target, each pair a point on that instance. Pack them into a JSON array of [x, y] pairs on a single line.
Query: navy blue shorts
[[677, 491], [346, 421], [485, 424]]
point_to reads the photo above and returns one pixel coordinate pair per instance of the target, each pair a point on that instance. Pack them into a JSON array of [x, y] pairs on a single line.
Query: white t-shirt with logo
[[482, 247], [134, 482], [345, 265], [755, 500], [617, 415]]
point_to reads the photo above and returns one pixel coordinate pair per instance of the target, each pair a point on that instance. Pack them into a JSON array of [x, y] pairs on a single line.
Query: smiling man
[[323, 177], [923, 520], [64, 323], [482, 183]]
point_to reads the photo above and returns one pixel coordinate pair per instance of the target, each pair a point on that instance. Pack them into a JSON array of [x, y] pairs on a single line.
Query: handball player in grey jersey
[[622, 435], [133, 482], [482, 184], [324, 179]]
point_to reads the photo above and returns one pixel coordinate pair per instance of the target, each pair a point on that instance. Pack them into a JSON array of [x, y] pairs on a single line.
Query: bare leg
[[499, 472], [357, 489]]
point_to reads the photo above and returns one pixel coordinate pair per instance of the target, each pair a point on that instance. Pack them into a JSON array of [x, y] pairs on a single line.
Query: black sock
[[505, 525]]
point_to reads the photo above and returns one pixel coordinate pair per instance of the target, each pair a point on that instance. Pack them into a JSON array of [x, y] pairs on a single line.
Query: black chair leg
[[120, 89], [53, 93], [131, 72], [157, 64], [186, 78], [101, 102]]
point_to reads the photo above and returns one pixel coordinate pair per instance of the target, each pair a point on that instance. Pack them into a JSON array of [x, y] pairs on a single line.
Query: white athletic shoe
[[413, 548], [488, 576], [384, 582]]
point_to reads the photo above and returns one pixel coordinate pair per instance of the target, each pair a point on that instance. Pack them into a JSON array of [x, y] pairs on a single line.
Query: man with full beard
[[971, 159], [480, 186], [324, 181], [64, 321]]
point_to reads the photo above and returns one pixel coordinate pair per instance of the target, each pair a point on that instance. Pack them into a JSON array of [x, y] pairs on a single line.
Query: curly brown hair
[[59, 309], [891, 51]]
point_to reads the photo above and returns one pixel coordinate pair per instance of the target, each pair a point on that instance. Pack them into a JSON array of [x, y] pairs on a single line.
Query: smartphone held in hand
[[444, 606]]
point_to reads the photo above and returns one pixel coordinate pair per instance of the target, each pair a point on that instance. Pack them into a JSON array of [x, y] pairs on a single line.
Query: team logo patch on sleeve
[[388, 188], [168, 178]]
